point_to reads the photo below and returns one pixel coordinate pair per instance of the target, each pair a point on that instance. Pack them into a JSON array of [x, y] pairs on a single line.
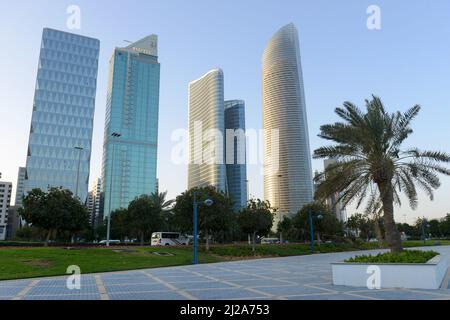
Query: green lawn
[[19, 263]]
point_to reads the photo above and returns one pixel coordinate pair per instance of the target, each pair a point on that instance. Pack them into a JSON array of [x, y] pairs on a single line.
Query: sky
[[406, 62]]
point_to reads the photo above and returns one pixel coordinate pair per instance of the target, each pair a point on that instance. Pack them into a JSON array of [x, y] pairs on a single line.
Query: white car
[[110, 242]]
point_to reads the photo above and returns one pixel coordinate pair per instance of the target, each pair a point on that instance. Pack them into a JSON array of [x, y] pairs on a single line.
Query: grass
[[407, 256], [30, 262], [19, 263]]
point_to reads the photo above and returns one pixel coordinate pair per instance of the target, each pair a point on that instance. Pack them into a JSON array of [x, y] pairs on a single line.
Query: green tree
[[369, 154], [213, 220], [144, 217], [256, 219], [360, 225], [120, 224], [54, 211], [284, 228], [328, 226]]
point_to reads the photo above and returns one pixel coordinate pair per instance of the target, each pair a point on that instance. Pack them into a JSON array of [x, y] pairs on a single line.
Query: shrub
[[407, 256]]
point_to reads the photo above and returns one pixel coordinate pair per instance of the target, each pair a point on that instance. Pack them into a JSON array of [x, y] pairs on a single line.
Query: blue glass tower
[[131, 124], [236, 167], [59, 147]]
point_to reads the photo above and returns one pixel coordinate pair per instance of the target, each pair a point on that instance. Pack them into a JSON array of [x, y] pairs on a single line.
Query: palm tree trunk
[[378, 233], [392, 234]]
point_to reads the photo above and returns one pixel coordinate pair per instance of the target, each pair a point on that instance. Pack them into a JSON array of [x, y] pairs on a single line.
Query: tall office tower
[[131, 128], [336, 206], [206, 132], [95, 203], [5, 200], [59, 147], [235, 141], [20, 189], [288, 177]]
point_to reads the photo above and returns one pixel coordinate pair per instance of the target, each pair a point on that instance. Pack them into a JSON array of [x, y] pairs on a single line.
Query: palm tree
[[159, 199], [370, 158]]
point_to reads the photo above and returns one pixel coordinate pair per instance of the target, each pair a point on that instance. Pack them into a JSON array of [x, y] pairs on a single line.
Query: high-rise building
[[95, 203], [14, 222], [131, 124], [235, 143], [288, 183], [59, 147], [20, 189], [206, 132], [5, 201]]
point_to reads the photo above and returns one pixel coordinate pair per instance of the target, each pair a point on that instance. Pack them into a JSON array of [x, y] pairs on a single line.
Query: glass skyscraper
[[288, 185], [131, 124], [206, 117], [236, 149], [59, 147]]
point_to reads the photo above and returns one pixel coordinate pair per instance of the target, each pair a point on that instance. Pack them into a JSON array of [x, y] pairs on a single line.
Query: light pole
[[208, 203], [311, 217], [108, 229], [78, 170], [279, 207]]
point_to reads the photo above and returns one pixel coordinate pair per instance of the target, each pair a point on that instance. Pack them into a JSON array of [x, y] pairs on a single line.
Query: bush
[[407, 256]]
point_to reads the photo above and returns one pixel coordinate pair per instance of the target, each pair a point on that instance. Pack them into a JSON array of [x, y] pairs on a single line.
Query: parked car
[[110, 242], [270, 241]]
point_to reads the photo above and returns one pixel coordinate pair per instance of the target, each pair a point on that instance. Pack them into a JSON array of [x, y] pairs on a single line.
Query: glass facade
[[129, 160], [236, 169], [63, 113], [290, 187]]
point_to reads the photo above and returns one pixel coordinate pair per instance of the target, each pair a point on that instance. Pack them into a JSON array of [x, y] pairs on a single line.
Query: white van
[[169, 239]]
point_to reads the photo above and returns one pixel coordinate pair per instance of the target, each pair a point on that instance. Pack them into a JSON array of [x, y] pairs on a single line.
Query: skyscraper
[[131, 124], [336, 206], [236, 167], [20, 189], [207, 132], [59, 147], [5, 200], [290, 187], [95, 203]]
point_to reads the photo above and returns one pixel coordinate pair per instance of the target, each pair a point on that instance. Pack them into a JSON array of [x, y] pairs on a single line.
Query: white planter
[[392, 275]]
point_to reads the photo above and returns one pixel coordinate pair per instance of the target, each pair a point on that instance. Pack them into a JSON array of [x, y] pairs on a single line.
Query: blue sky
[[406, 62]]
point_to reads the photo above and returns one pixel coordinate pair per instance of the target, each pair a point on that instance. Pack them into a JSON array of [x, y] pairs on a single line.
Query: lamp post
[[280, 215], [208, 203], [311, 217], [108, 229], [78, 170]]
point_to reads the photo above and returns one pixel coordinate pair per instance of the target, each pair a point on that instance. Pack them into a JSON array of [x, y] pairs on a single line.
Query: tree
[[144, 217], [360, 225], [54, 211], [328, 225], [256, 219], [213, 220], [284, 228], [369, 155], [165, 208], [120, 224]]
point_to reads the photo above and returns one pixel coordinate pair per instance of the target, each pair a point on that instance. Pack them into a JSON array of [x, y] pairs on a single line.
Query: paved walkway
[[292, 278]]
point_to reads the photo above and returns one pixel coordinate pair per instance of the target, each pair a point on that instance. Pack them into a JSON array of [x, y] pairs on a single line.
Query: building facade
[[59, 147], [207, 131], [131, 124], [20, 189], [236, 162], [95, 204], [5, 201], [287, 162], [14, 222]]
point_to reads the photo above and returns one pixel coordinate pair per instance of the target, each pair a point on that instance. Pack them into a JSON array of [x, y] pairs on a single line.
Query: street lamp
[[311, 217], [423, 231], [78, 170], [108, 230], [208, 203]]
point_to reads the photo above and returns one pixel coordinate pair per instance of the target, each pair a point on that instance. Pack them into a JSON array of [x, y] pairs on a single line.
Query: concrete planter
[[392, 275]]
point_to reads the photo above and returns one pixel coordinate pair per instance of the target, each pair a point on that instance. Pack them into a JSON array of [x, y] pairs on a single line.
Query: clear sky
[[407, 62]]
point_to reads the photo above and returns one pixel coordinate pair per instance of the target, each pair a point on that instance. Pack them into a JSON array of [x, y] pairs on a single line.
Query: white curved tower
[[206, 132], [289, 187]]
